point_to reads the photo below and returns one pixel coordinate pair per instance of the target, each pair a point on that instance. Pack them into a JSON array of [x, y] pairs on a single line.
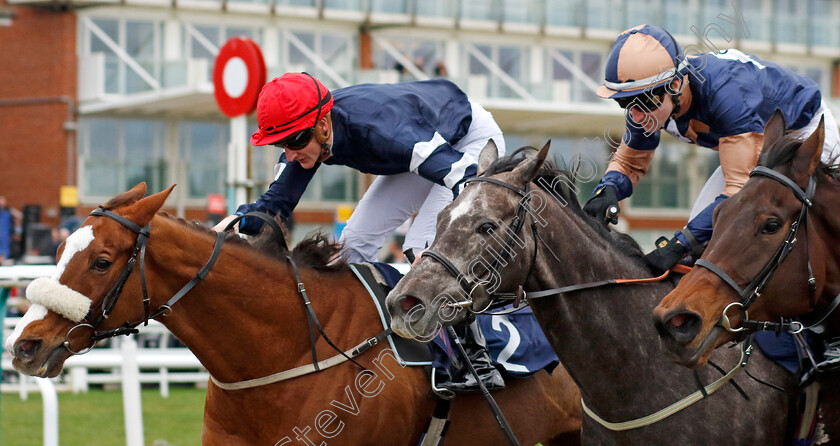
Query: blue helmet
[[641, 59]]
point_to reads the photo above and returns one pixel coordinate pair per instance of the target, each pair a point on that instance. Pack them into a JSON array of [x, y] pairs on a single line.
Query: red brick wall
[[38, 57]]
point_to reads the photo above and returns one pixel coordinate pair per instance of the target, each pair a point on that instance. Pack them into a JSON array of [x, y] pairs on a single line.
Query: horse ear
[[529, 168], [808, 156], [774, 130], [145, 209], [488, 154]]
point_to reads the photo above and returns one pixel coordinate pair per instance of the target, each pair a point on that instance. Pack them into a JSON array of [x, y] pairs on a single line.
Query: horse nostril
[[409, 302], [27, 348], [683, 326]]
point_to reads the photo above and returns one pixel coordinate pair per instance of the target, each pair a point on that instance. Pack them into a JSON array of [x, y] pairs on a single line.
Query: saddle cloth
[[515, 342]]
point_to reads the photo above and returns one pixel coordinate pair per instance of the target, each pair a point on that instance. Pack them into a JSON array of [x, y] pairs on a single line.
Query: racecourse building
[[103, 94]]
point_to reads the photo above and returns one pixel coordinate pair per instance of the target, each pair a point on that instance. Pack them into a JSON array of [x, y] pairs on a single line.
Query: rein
[[698, 395], [756, 286]]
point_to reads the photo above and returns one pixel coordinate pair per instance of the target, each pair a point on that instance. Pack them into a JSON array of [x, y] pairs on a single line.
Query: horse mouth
[[48, 367], [681, 355]]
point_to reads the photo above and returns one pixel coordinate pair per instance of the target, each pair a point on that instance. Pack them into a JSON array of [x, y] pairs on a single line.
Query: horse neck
[[614, 322], [245, 319], [824, 224]]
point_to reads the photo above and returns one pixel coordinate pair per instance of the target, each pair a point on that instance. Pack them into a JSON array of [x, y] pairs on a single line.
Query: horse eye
[[101, 264], [485, 228], [772, 226]]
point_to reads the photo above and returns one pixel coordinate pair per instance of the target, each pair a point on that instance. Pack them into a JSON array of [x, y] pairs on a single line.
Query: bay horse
[[771, 256], [245, 320], [487, 245]]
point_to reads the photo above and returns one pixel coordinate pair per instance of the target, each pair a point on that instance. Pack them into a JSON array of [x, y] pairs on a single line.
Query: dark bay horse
[[246, 320], [602, 335], [749, 229]]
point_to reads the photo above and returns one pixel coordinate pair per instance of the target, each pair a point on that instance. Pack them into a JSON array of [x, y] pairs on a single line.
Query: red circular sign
[[238, 76]]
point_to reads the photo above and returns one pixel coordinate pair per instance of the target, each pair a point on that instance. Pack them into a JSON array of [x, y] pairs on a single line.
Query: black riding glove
[[604, 205], [667, 254]]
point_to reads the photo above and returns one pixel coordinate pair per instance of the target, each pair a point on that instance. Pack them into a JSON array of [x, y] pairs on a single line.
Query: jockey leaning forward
[[422, 139], [720, 100]]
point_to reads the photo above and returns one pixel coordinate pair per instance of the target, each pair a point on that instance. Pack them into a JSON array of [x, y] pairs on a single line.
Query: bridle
[[143, 234], [499, 299], [92, 321], [500, 258], [756, 286]]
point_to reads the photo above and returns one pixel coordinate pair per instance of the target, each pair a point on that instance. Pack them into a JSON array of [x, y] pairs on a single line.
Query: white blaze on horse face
[[76, 242], [463, 208], [35, 313]]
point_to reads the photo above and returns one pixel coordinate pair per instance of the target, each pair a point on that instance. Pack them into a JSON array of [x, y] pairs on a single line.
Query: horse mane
[[567, 190], [782, 151], [316, 251]]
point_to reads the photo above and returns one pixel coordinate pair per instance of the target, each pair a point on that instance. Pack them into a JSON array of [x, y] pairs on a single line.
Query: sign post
[[238, 76]]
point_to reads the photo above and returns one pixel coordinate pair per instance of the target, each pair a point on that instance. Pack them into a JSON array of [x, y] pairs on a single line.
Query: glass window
[[351, 5], [643, 11], [756, 19], [337, 50], [390, 6], [140, 44], [590, 64], [666, 184], [426, 54], [510, 59], [436, 8], [116, 154], [203, 148], [564, 12], [477, 10], [605, 14], [790, 19]]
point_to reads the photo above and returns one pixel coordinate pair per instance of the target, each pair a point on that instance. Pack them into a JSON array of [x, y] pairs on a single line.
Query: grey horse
[[604, 335]]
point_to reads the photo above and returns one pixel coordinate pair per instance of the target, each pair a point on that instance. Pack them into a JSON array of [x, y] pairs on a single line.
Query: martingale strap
[[676, 407]]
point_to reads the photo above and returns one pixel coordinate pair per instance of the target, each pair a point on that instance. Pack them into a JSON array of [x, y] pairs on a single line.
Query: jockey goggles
[[296, 141], [645, 102]]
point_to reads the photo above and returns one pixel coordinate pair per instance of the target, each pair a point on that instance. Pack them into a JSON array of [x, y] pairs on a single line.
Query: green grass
[[96, 418]]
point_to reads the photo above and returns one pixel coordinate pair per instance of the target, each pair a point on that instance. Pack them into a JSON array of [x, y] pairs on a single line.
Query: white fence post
[[50, 411], [131, 393]]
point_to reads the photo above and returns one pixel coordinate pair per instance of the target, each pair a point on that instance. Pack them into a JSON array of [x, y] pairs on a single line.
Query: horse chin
[[419, 331], [684, 356], [48, 365]]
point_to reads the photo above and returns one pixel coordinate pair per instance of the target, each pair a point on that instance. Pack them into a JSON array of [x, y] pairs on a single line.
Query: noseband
[[754, 289]]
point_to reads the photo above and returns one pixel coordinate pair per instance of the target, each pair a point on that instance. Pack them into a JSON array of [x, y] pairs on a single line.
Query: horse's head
[[484, 245], [752, 231], [68, 307]]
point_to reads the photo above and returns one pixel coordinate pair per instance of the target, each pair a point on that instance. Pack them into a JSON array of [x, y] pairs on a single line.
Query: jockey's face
[[311, 153], [654, 117]]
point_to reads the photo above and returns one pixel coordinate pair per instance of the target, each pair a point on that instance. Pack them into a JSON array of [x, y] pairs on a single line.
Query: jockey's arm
[[433, 157], [738, 156], [626, 168], [282, 196]]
